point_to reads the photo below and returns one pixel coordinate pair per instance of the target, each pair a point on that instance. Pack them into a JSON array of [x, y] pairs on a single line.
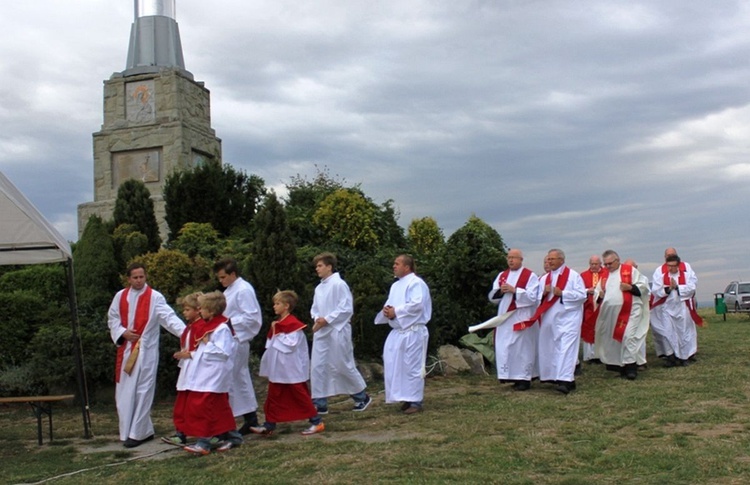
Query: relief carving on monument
[[143, 165]]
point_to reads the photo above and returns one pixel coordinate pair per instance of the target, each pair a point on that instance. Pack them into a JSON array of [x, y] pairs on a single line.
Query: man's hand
[[130, 336], [389, 312], [506, 288], [625, 287], [320, 322]]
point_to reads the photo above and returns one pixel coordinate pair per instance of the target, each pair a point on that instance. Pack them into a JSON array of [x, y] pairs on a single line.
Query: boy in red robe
[[208, 372], [286, 363]]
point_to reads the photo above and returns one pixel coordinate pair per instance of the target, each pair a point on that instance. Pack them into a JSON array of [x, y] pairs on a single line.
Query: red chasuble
[[562, 280], [142, 310]]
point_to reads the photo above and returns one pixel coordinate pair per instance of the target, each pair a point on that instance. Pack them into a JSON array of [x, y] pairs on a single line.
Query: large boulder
[[452, 361], [475, 361]]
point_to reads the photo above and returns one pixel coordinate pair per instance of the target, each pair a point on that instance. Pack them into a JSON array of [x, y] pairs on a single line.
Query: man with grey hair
[[622, 326], [562, 293], [516, 290], [591, 278], [673, 310]]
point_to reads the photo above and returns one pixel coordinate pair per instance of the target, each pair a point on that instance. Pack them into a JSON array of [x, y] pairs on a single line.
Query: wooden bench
[[40, 405]]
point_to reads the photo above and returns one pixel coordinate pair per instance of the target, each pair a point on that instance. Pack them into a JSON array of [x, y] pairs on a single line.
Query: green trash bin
[[719, 305]]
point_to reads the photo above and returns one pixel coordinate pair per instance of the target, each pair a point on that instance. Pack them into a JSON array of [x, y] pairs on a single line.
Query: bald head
[[515, 259], [668, 252], [631, 262]]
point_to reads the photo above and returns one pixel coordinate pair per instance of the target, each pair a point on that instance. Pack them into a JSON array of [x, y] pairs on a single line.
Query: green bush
[[47, 281], [21, 315]]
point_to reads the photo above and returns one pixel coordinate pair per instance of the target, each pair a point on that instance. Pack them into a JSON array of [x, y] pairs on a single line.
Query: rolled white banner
[[492, 322]]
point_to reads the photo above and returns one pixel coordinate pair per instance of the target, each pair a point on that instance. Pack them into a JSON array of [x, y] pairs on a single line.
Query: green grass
[[671, 426]]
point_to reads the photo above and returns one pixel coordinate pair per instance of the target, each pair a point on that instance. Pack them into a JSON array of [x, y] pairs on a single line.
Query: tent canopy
[[26, 237]]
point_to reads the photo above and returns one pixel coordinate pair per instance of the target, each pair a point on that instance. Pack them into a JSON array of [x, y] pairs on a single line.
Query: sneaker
[[322, 411], [225, 446], [361, 406], [176, 440], [314, 428], [197, 450], [261, 430]]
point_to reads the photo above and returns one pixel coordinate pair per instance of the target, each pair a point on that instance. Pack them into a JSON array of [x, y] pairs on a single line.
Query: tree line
[[215, 211]]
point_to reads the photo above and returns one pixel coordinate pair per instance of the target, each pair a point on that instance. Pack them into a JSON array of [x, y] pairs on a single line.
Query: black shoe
[[595, 361], [670, 361], [563, 388], [631, 371], [131, 443], [578, 370], [522, 386], [613, 368]]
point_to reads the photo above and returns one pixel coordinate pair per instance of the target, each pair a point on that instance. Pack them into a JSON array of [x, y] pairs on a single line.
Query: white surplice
[[210, 367]]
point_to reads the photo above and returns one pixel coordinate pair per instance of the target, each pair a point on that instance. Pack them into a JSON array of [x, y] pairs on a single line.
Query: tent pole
[[83, 394]]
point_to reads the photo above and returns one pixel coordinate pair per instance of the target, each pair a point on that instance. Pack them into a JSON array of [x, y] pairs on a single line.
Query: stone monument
[[157, 118]]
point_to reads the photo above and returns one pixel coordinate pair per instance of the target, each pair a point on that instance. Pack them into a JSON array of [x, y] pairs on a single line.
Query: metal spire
[[154, 38]]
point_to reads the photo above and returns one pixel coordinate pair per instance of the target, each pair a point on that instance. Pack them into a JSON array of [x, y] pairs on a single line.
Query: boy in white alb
[[208, 377], [333, 369]]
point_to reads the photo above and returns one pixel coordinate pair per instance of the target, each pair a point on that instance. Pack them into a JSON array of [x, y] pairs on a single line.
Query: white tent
[[26, 237]]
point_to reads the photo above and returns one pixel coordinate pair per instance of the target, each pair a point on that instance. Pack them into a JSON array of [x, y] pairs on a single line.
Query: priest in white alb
[[561, 294], [515, 291], [622, 324], [673, 299], [134, 318]]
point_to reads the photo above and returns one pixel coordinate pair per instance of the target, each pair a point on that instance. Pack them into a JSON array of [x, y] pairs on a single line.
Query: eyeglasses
[[611, 262]]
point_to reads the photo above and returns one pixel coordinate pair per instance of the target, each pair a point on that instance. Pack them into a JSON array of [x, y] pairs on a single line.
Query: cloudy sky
[[583, 125]]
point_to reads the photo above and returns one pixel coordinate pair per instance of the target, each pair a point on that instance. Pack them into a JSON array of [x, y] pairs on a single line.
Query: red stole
[[680, 281], [142, 311], [523, 280], [562, 280], [590, 313], [288, 324], [626, 276]]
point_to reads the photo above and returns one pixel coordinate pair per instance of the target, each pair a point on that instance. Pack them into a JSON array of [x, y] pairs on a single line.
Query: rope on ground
[[70, 474]]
